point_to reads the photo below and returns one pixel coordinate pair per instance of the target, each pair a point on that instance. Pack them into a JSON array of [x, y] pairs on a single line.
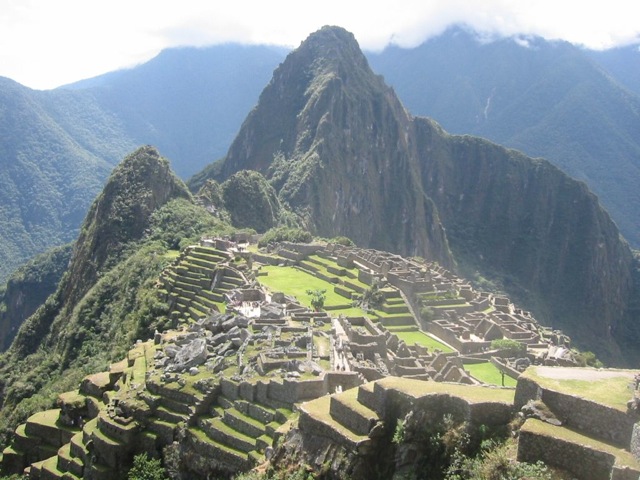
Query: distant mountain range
[[333, 149], [579, 109]]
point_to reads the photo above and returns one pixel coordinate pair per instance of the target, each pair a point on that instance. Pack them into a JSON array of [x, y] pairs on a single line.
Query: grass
[[319, 409], [541, 428], [171, 254], [488, 373], [614, 391], [350, 398], [469, 393], [296, 282], [322, 346], [421, 338]]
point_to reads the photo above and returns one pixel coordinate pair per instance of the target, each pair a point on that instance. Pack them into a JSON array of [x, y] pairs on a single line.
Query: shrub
[[318, 298], [398, 434], [511, 348], [344, 241], [145, 468], [285, 234]]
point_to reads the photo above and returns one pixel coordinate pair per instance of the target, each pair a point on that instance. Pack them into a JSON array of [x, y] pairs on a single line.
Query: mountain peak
[[332, 137], [139, 185], [330, 42]]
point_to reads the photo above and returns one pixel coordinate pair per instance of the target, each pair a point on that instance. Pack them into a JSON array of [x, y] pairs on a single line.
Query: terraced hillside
[[228, 379]]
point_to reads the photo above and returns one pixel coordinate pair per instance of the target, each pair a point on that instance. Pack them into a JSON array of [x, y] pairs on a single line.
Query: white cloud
[[46, 43]]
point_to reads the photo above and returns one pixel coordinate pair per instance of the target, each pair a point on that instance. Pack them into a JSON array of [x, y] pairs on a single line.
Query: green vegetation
[[495, 462], [488, 373], [472, 394], [511, 348], [251, 201], [145, 468], [398, 433], [296, 282], [539, 427], [109, 295], [28, 288], [612, 390], [412, 337], [588, 359], [301, 473], [285, 234], [317, 298]]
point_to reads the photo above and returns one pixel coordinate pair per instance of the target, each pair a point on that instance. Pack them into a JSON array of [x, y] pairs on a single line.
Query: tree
[[318, 298], [145, 468]]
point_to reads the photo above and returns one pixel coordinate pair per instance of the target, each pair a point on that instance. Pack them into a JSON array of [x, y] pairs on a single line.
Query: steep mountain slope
[[332, 138], [28, 288], [59, 146], [103, 301], [342, 151], [50, 167], [548, 99], [622, 63], [141, 184]]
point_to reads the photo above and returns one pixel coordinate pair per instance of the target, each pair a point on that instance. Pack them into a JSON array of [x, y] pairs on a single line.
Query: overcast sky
[[47, 43]]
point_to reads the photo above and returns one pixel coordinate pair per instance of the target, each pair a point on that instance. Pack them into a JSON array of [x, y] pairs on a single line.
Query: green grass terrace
[[413, 336], [488, 373], [295, 282]]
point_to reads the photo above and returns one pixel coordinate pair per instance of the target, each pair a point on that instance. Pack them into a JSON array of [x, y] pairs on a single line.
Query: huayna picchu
[[240, 329]]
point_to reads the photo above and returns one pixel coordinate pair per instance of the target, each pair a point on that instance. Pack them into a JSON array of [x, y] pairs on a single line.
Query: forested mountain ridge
[[102, 302], [346, 156], [50, 168]]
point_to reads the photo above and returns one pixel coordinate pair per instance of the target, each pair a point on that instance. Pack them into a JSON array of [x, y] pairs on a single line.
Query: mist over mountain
[[548, 99], [622, 63]]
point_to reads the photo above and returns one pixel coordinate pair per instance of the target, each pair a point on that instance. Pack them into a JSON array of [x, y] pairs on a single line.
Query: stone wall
[[594, 419], [581, 461], [305, 249]]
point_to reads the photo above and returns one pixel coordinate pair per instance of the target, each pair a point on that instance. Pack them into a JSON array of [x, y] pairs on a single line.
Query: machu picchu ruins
[[243, 359]]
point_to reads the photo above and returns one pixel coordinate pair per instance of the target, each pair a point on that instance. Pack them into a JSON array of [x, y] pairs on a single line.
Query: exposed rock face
[[524, 218], [339, 138], [342, 151]]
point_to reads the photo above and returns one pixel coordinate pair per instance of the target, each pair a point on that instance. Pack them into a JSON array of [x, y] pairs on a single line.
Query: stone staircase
[[239, 430], [196, 284]]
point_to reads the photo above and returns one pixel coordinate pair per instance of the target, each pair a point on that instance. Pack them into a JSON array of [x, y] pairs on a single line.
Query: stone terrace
[[465, 319], [588, 428], [243, 358]]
